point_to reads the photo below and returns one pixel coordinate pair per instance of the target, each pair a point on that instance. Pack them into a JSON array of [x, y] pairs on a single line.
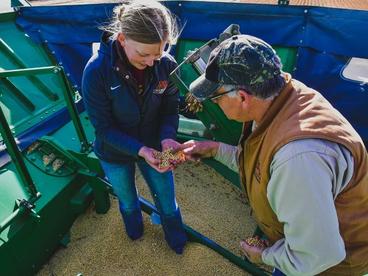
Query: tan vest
[[300, 112]]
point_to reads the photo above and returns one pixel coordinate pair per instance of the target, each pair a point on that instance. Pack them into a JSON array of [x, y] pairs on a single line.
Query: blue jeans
[[161, 185]]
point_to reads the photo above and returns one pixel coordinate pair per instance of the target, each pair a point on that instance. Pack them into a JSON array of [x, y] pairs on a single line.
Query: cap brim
[[203, 88]]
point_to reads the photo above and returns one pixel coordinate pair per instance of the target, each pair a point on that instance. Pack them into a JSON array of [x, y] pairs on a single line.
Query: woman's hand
[[170, 144], [147, 154], [175, 147], [195, 150]]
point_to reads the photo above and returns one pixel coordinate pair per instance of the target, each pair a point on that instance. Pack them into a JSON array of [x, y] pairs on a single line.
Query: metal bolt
[[305, 11], [127, 77], [213, 127]]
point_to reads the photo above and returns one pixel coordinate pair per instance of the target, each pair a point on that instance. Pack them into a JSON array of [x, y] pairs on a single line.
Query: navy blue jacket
[[123, 124]]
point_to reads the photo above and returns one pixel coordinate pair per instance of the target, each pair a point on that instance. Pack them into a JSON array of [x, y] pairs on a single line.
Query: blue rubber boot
[[175, 235], [133, 221]]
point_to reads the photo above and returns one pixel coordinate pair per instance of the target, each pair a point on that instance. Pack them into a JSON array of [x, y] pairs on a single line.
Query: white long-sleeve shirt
[[306, 177]]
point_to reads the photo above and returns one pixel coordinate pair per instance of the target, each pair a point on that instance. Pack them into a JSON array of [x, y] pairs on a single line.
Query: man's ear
[[121, 39], [244, 96]]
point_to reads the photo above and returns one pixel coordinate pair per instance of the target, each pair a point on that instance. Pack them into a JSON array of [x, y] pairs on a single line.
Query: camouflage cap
[[241, 60]]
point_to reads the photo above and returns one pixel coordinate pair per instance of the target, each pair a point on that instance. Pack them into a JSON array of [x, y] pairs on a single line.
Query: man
[[302, 165]]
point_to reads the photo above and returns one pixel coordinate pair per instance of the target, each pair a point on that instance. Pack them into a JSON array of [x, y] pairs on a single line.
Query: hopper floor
[[209, 203]]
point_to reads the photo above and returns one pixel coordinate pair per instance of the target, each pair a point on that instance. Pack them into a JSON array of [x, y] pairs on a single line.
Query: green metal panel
[[182, 49], [64, 196], [288, 57], [26, 99], [9, 191], [41, 95], [28, 244], [16, 157], [63, 188]]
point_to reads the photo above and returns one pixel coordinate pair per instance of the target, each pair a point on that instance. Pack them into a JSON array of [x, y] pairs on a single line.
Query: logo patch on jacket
[[161, 87], [257, 172]]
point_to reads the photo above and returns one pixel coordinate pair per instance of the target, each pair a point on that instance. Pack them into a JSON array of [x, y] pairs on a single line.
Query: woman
[[134, 109]]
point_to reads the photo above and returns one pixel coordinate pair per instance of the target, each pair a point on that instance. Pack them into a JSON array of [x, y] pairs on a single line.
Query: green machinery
[[45, 184]]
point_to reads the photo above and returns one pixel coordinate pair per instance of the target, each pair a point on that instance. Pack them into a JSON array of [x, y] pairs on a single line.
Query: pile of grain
[[209, 204]]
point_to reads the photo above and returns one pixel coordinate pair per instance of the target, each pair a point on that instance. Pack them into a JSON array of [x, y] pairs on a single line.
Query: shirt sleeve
[[306, 176], [98, 107], [227, 155]]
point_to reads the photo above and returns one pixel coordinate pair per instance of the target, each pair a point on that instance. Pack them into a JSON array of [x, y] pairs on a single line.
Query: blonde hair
[[144, 21]]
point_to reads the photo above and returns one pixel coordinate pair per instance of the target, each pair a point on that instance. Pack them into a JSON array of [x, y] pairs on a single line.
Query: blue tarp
[[326, 38]]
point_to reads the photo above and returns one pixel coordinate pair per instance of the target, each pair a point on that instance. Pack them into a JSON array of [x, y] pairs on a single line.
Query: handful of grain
[[168, 157], [256, 241]]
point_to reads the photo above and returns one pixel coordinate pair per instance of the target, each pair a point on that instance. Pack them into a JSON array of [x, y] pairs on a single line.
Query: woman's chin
[[140, 66]]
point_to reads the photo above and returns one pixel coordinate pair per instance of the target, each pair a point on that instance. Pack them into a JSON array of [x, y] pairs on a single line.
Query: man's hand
[[147, 154], [253, 253], [195, 150]]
